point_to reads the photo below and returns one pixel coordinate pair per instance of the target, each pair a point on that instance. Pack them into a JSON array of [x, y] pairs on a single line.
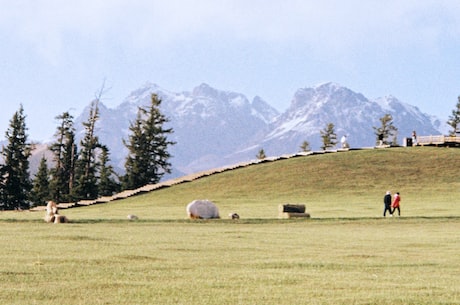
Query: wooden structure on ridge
[[439, 140]]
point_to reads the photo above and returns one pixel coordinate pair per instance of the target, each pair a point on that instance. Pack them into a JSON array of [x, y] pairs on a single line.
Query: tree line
[[81, 171]]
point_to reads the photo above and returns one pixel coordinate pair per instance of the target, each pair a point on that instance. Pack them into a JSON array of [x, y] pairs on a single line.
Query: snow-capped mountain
[[214, 127], [351, 113], [208, 124]]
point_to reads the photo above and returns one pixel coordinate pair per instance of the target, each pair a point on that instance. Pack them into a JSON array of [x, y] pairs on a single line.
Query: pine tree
[[305, 147], [386, 130], [328, 137], [136, 157], [16, 184], [454, 120], [65, 153], [148, 155], [261, 154], [87, 165], [107, 185], [41, 184]]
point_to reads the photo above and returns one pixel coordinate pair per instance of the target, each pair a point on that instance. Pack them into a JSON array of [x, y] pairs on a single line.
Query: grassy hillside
[[102, 258], [345, 184]]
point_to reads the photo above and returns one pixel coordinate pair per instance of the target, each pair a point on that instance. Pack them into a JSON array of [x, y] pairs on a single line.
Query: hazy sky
[[55, 55]]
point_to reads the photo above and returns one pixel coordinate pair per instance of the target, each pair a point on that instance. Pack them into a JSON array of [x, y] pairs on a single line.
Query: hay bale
[[49, 218], [233, 216], [51, 211], [291, 208], [132, 217], [294, 215], [60, 219], [202, 209], [292, 211], [52, 215]]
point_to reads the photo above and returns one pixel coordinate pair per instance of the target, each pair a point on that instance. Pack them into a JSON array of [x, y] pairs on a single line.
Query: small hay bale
[[60, 219], [233, 216], [52, 214], [49, 218], [132, 217]]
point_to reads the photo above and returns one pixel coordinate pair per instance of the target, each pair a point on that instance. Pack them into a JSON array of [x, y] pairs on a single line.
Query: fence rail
[[437, 140]]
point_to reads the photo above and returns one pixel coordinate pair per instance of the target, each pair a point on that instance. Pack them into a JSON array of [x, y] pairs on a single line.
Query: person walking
[[387, 204], [396, 204], [344, 142]]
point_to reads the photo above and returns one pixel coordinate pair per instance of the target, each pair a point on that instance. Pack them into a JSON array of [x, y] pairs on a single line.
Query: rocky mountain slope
[[213, 127], [351, 113]]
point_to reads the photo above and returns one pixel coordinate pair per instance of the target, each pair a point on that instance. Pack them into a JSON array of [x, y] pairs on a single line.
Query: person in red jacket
[[396, 204]]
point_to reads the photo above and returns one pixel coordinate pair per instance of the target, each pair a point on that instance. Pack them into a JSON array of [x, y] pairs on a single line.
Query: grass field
[[345, 254]]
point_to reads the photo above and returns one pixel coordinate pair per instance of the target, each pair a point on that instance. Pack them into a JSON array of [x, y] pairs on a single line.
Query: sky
[[55, 56]]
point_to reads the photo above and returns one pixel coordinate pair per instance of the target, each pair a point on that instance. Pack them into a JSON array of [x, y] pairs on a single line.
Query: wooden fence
[[437, 140]]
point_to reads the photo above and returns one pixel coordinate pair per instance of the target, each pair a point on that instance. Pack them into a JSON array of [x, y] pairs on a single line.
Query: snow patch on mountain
[[214, 127]]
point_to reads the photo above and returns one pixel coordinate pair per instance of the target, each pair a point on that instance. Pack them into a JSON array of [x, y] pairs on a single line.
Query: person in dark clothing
[[387, 203], [380, 139]]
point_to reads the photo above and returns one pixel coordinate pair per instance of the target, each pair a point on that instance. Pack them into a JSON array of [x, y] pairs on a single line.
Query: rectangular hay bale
[[291, 208]]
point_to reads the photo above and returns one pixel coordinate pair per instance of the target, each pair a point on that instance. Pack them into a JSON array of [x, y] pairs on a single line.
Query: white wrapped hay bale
[[202, 209]]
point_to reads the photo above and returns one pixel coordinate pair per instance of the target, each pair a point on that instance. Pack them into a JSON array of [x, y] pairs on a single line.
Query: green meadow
[[346, 253]]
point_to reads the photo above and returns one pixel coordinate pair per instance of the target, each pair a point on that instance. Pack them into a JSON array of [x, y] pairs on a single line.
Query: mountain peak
[[332, 86], [205, 90], [223, 126], [333, 89], [144, 91]]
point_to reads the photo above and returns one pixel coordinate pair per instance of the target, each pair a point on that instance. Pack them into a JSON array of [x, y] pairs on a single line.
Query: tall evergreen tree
[[88, 164], [16, 184], [41, 184], [328, 137], [65, 153], [136, 159], [148, 154], [107, 185], [386, 130], [454, 120]]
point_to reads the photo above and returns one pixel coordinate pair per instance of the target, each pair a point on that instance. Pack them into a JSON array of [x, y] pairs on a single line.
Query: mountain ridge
[[214, 128]]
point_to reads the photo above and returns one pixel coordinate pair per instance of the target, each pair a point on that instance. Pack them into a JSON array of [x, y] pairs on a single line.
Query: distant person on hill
[[395, 205], [387, 204], [414, 138], [380, 139], [344, 142]]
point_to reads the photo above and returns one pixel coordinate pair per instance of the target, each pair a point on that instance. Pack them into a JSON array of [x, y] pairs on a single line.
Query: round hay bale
[[202, 209], [234, 216], [132, 217]]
